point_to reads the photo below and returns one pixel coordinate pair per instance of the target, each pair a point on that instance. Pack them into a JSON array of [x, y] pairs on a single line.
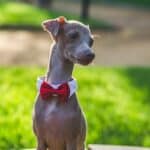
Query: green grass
[[116, 103], [23, 15]]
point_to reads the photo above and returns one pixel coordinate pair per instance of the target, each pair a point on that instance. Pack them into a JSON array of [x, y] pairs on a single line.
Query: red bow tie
[[47, 91]]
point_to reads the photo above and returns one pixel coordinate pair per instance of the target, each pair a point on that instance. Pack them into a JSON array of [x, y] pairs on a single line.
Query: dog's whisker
[[96, 36]]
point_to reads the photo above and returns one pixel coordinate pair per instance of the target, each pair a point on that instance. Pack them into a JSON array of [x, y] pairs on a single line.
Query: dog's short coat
[[62, 126]]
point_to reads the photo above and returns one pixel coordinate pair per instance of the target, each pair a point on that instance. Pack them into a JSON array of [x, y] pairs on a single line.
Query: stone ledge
[[114, 147]]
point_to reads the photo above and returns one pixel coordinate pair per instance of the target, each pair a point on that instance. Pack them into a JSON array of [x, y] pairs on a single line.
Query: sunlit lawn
[[116, 103]]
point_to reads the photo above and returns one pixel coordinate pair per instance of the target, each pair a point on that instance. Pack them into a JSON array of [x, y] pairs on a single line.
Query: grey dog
[[60, 125]]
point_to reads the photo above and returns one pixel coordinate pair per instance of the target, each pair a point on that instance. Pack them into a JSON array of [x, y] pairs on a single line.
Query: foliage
[[134, 3], [115, 100], [25, 15]]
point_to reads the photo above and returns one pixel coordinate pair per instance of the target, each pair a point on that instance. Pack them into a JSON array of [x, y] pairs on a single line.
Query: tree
[[44, 3], [85, 9]]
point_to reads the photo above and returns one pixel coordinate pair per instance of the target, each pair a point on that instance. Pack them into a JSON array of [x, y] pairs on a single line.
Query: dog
[[58, 121]]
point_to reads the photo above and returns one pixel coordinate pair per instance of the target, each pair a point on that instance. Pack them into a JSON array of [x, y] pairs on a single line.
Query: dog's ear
[[53, 26]]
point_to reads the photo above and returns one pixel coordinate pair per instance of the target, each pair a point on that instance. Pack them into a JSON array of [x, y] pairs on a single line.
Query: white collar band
[[72, 85]]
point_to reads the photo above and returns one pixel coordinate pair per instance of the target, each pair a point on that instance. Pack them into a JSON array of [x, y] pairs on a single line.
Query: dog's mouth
[[81, 60], [84, 61]]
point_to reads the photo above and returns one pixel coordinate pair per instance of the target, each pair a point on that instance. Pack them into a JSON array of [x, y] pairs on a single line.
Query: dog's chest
[[50, 110], [55, 111], [53, 117], [56, 114]]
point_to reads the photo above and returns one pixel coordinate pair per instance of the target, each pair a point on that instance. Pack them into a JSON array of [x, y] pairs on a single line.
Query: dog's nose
[[90, 55]]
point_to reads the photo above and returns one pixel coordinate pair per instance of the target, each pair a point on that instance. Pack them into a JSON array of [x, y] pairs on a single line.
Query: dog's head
[[74, 38]]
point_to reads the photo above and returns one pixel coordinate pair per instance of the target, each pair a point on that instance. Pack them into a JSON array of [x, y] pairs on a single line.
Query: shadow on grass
[[140, 78]]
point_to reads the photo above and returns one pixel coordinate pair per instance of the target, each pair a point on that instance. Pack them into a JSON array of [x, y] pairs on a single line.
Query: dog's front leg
[[71, 145], [41, 145]]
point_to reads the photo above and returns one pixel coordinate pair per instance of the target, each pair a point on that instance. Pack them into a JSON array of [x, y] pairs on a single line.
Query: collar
[[72, 83]]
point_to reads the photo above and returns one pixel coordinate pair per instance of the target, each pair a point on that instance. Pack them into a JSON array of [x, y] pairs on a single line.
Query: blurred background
[[118, 104]]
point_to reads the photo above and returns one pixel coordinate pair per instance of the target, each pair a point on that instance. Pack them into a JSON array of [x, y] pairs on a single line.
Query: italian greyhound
[[58, 121]]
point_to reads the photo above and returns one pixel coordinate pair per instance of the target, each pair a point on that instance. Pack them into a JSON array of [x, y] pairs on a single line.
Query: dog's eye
[[74, 35], [91, 42]]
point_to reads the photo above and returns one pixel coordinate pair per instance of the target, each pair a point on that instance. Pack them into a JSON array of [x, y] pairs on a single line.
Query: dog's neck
[[59, 68]]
